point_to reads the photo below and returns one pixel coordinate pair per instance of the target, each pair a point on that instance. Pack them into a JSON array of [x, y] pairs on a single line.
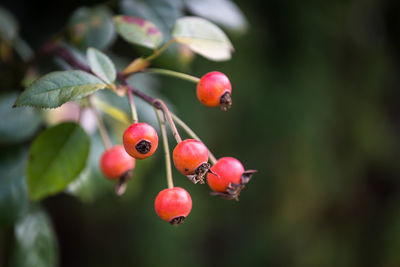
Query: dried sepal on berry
[[177, 220], [120, 186], [233, 189], [225, 101], [200, 173]]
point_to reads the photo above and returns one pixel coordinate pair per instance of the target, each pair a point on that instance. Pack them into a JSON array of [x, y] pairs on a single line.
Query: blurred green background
[[315, 111]]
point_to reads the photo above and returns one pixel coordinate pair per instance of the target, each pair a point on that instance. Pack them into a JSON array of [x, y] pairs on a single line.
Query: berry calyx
[[231, 178], [140, 140], [190, 158], [115, 162], [173, 205], [214, 89]]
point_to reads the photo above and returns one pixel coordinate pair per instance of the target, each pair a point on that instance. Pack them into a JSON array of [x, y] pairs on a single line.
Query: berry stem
[[133, 107], [158, 52], [172, 73], [102, 128], [167, 114], [161, 121], [191, 133]]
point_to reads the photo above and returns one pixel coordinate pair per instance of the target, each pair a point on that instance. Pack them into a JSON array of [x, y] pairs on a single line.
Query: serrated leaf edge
[[98, 85]]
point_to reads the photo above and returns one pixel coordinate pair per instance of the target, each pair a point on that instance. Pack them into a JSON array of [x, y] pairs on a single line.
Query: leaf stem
[[167, 114], [158, 52], [161, 121], [172, 73], [133, 107], [191, 133], [102, 128]]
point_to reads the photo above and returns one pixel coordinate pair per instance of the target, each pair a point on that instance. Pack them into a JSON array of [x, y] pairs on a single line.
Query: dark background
[[315, 111]]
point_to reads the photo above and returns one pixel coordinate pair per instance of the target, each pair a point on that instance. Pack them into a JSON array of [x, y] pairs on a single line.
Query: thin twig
[[168, 168], [167, 114], [160, 51], [172, 73], [133, 107], [51, 48], [191, 133], [102, 128]]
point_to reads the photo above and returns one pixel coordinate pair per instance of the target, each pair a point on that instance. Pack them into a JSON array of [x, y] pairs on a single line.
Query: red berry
[[140, 140], [214, 89], [173, 205], [189, 155], [115, 162], [229, 169]]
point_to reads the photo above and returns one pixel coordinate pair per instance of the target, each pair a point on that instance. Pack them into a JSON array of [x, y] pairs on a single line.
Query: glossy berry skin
[[211, 87], [229, 169], [115, 162], [188, 155], [140, 140], [173, 204]]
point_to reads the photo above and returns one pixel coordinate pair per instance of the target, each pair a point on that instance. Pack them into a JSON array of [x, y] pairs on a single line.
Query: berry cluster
[[191, 157], [226, 177]]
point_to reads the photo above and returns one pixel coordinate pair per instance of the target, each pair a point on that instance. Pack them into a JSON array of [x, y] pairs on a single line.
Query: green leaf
[[163, 13], [35, 241], [16, 124], [101, 65], [231, 18], [56, 88], [92, 27], [203, 37], [8, 25], [138, 31], [56, 158], [13, 192], [91, 184]]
